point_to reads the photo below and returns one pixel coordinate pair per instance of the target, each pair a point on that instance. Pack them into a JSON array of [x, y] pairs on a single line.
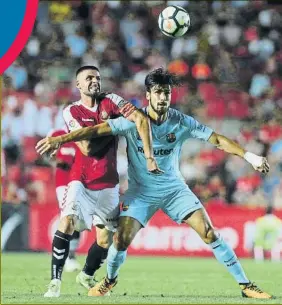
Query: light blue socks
[[114, 261], [226, 256], [222, 251]]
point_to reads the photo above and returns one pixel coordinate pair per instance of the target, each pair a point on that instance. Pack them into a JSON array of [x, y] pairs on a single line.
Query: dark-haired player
[[92, 195], [147, 193]]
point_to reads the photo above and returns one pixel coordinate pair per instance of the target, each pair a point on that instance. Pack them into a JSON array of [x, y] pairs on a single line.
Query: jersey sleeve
[[70, 120], [121, 126], [195, 129], [124, 107]]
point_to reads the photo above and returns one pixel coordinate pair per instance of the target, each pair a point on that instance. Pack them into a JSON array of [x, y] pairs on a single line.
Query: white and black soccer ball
[[174, 21]]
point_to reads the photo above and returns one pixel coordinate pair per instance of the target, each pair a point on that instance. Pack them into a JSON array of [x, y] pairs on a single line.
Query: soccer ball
[[174, 21]]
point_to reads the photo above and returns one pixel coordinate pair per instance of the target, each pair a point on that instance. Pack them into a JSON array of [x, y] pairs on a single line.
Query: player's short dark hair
[[86, 68], [161, 76]]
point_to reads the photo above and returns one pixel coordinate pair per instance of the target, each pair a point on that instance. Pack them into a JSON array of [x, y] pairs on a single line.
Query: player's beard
[[93, 93], [160, 111]]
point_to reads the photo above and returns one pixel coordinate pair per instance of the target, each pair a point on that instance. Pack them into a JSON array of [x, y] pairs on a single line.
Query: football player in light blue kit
[[147, 193], [169, 192]]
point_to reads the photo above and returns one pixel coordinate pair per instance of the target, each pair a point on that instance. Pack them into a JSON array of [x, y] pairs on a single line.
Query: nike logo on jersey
[[87, 120]]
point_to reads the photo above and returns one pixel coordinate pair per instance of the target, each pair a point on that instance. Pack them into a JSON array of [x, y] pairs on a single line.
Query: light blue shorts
[[177, 204]]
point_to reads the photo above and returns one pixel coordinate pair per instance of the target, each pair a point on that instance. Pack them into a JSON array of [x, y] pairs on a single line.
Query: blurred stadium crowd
[[230, 63]]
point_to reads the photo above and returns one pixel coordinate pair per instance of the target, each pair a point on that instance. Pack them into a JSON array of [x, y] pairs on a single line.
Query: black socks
[[95, 258], [60, 252]]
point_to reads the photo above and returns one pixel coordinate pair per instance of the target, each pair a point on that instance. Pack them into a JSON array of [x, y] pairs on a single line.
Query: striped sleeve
[[125, 108]]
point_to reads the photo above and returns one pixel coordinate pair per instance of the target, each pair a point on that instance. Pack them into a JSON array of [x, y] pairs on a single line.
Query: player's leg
[[60, 251], [201, 223], [71, 263], [259, 245], [275, 253], [136, 212], [272, 244], [105, 211], [96, 256], [128, 227], [258, 253], [98, 252], [62, 237], [184, 207], [137, 209]]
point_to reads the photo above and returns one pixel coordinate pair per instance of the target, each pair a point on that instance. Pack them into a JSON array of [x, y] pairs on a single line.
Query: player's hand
[[259, 163], [48, 145], [264, 168], [153, 166]]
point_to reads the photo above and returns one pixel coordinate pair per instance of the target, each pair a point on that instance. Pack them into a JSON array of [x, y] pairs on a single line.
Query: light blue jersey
[[167, 143]]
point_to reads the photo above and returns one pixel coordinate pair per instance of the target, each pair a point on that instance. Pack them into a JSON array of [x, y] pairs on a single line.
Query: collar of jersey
[[146, 112], [93, 109]]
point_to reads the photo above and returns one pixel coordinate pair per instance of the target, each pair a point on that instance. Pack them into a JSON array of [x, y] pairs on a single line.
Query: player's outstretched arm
[[221, 142], [143, 126], [51, 144], [142, 122]]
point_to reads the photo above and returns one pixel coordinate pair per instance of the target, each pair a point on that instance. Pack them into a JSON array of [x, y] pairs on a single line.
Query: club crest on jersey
[[124, 207], [171, 137], [104, 115], [72, 123]]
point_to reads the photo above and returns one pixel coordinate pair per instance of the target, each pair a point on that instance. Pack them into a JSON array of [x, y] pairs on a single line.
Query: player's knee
[[104, 243], [209, 236], [67, 224], [104, 236], [122, 240]]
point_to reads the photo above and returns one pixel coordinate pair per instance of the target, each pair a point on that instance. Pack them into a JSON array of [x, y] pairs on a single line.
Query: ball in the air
[[174, 21]]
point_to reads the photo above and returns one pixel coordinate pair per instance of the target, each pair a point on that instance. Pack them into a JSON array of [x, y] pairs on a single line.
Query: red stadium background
[[162, 236]]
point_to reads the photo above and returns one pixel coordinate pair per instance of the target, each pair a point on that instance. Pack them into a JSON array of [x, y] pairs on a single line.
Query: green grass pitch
[[143, 280]]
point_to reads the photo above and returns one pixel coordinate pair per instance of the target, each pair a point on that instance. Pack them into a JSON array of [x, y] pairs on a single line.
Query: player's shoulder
[[112, 98], [72, 104], [71, 107], [177, 116], [174, 113], [105, 101]]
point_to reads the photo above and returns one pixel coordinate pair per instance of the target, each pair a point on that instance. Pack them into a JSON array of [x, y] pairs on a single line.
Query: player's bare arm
[[142, 123], [88, 149], [221, 142], [89, 146], [50, 144]]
